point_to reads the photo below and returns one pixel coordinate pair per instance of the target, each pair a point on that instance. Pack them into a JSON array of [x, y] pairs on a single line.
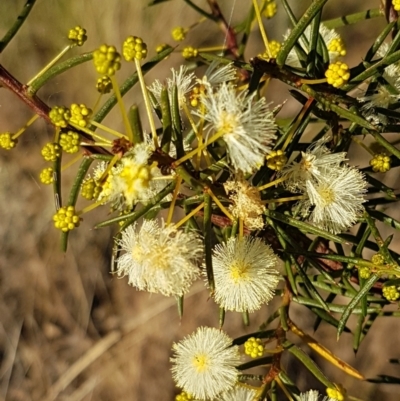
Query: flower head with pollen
[[247, 203], [159, 258], [315, 163], [204, 363], [244, 274], [247, 126], [337, 199]]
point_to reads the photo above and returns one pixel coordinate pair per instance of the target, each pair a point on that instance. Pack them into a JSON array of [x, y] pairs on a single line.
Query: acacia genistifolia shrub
[[262, 214]]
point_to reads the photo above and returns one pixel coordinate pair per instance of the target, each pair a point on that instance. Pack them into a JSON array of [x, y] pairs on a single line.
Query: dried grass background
[[69, 330]]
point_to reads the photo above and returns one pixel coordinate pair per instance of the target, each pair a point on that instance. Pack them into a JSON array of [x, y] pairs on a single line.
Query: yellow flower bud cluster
[[378, 259], [335, 394], [276, 160], [104, 85], [396, 4], [365, 273], [6, 141], [189, 52], [69, 142], [80, 114], [50, 152], [380, 163], [66, 219], [161, 48], [134, 48], [59, 116], [270, 8], [107, 60], [77, 35], [46, 175], [179, 33], [183, 396], [337, 74], [90, 189], [391, 293], [253, 347], [274, 48], [337, 46]]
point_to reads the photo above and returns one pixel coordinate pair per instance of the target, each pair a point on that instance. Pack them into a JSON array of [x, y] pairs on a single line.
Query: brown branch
[[39, 107]]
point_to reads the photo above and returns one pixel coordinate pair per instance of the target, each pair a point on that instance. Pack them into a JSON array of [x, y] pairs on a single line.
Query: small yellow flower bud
[[337, 74], [69, 142], [179, 33], [396, 4], [59, 116], [274, 48], [183, 396], [6, 141], [270, 8], [134, 48], [378, 259], [66, 219], [90, 189], [365, 273], [46, 176], [50, 152], [380, 163], [104, 85], [337, 46], [189, 52], [161, 47], [391, 293], [276, 160], [107, 60], [336, 393], [80, 114], [77, 35], [254, 347]]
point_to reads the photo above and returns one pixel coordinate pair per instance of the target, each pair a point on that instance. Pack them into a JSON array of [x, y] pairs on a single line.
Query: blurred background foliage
[[68, 329]]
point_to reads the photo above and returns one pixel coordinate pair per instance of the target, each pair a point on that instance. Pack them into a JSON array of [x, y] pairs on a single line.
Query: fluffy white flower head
[[216, 75], [313, 395], [315, 164], [239, 393], [159, 258], [183, 81], [204, 363], [247, 203], [247, 126], [337, 199], [244, 274]]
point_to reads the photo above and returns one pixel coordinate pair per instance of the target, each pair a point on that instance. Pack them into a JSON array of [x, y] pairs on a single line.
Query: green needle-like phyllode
[[66, 219]]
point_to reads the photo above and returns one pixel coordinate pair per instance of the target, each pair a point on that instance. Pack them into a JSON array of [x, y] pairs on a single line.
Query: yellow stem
[[199, 137], [70, 163], [89, 208], [284, 389], [188, 216], [107, 129], [164, 177], [57, 135], [201, 20], [358, 142], [89, 132], [313, 81], [241, 228], [174, 197], [121, 105], [272, 183], [147, 103], [199, 148], [262, 30], [109, 167], [49, 65], [212, 49], [281, 200], [28, 124], [97, 102], [220, 205], [103, 144]]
